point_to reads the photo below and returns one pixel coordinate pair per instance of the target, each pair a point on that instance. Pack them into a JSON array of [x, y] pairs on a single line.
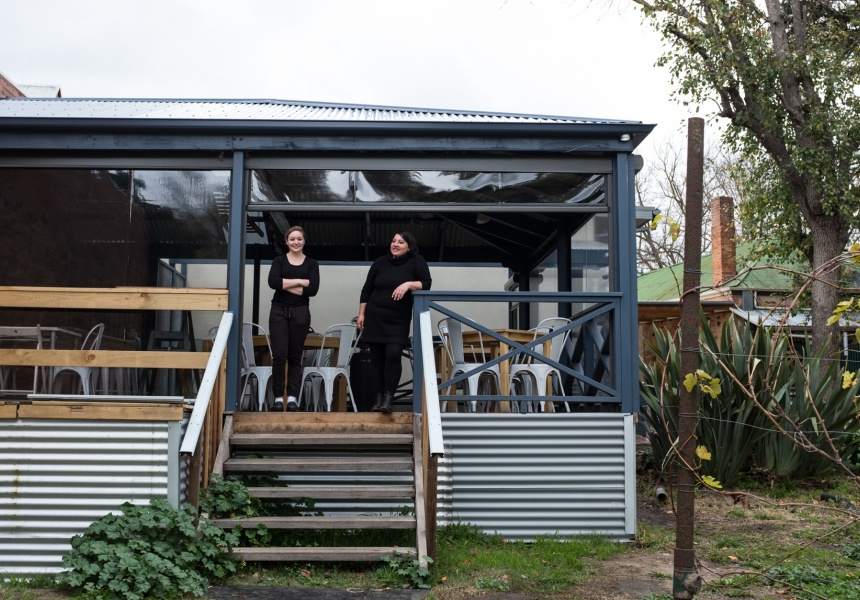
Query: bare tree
[[661, 184]]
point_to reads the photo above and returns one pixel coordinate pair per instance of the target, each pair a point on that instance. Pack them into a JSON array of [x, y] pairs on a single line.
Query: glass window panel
[[436, 187], [589, 260], [103, 229]]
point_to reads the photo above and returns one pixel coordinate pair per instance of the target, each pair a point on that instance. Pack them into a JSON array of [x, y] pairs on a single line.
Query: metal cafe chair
[[348, 340], [451, 332], [87, 375], [250, 368], [8, 382], [532, 373]]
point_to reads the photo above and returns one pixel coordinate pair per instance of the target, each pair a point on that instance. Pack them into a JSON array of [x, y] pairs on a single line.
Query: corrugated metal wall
[[58, 476], [524, 475]]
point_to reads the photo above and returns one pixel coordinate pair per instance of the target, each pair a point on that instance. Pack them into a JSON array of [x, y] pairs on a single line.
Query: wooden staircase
[[359, 467]]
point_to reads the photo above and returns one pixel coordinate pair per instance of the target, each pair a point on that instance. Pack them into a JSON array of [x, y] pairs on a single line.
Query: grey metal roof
[[799, 318], [39, 91], [266, 110]]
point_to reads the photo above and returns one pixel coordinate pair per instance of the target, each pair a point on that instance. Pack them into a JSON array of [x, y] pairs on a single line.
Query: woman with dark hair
[[295, 278], [385, 313]]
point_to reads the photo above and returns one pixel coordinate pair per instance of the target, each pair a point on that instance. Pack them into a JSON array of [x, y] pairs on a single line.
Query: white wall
[[337, 300]]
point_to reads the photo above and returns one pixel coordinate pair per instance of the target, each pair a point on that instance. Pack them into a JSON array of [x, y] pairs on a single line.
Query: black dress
[[385, 319]]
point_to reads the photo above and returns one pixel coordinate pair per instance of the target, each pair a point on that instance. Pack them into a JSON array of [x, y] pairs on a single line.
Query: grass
[[469, 557], [466, 557]]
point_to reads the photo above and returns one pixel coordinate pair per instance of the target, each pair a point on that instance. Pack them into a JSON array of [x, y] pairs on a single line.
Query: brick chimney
[[723, 258]]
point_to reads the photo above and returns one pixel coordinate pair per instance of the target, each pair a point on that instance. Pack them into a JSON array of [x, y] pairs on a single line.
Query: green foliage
[[732, 428], [12, 581], [464, 533], [825, 584], [407, 570], [492, 583], [152, 551], [224, 498], [852, 551]]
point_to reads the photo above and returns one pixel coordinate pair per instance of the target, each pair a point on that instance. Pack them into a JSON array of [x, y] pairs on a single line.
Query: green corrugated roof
[[665, 284]]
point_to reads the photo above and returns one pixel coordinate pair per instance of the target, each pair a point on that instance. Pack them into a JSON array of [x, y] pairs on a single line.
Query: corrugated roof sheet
[[665, 284], [796, 319], [274, 110], [39, 91]]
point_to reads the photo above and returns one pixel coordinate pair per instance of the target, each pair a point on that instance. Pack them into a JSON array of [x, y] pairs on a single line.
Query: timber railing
[[131, 299]]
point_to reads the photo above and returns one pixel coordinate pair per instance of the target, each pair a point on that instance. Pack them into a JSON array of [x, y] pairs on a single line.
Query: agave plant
[[819, 419], [659, 385], [769, 396], [731, 424]]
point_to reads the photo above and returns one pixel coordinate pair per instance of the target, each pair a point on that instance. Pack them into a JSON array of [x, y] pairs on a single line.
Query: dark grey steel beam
[[625, 342], [369, 207], [236, 276]]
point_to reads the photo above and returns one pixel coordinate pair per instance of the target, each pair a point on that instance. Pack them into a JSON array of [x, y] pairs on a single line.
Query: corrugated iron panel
[[536, 474], [269, 110], [59, 476], [445, 487]]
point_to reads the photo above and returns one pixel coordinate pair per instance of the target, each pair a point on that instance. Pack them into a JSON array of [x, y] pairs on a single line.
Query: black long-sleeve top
[[282, 269], [385, 319]]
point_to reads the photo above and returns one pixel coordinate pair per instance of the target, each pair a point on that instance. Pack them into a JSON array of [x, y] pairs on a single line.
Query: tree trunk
[[829, 237]]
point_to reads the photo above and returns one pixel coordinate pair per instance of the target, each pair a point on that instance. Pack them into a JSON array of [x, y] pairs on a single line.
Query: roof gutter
[[624, 133]]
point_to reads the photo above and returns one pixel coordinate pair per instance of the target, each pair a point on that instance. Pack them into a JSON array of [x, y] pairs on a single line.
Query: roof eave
[[609, 131]]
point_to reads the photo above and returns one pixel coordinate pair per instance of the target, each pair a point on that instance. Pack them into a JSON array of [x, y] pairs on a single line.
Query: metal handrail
[[204, 393], [434, 419]]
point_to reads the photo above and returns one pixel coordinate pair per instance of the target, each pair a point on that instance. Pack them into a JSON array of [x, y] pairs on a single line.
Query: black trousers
[[288, 328], [385, 366]]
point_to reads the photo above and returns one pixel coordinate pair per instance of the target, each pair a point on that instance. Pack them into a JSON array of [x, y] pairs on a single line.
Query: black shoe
[[292, 407], [385, 407], [278, 407], [378, 404]]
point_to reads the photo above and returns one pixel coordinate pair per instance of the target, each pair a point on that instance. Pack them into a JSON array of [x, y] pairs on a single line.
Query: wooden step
[[318, 423], [311, 439], [372, 554], [351, 447], [352, 492], [288, 465], [338, 522]]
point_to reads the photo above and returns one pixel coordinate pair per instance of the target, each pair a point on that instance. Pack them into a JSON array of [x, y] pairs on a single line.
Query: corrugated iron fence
[[525, 475], [58, 476]]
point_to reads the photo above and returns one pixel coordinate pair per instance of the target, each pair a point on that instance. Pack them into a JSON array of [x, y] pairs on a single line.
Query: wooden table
[[493, 348]]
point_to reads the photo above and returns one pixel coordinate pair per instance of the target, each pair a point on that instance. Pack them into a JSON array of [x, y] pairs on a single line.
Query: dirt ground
[[634, 574]]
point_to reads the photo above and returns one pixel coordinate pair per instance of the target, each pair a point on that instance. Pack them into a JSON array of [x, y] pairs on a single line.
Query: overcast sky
[[585, 58]]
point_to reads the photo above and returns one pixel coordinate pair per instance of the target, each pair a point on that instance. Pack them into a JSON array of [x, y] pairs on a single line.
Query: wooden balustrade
[[123, 298]]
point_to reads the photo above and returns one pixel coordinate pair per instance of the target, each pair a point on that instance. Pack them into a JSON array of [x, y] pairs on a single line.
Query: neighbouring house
[[733, 286]]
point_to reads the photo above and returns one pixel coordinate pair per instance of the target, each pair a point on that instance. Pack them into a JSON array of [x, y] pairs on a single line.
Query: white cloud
[[520, 56]]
